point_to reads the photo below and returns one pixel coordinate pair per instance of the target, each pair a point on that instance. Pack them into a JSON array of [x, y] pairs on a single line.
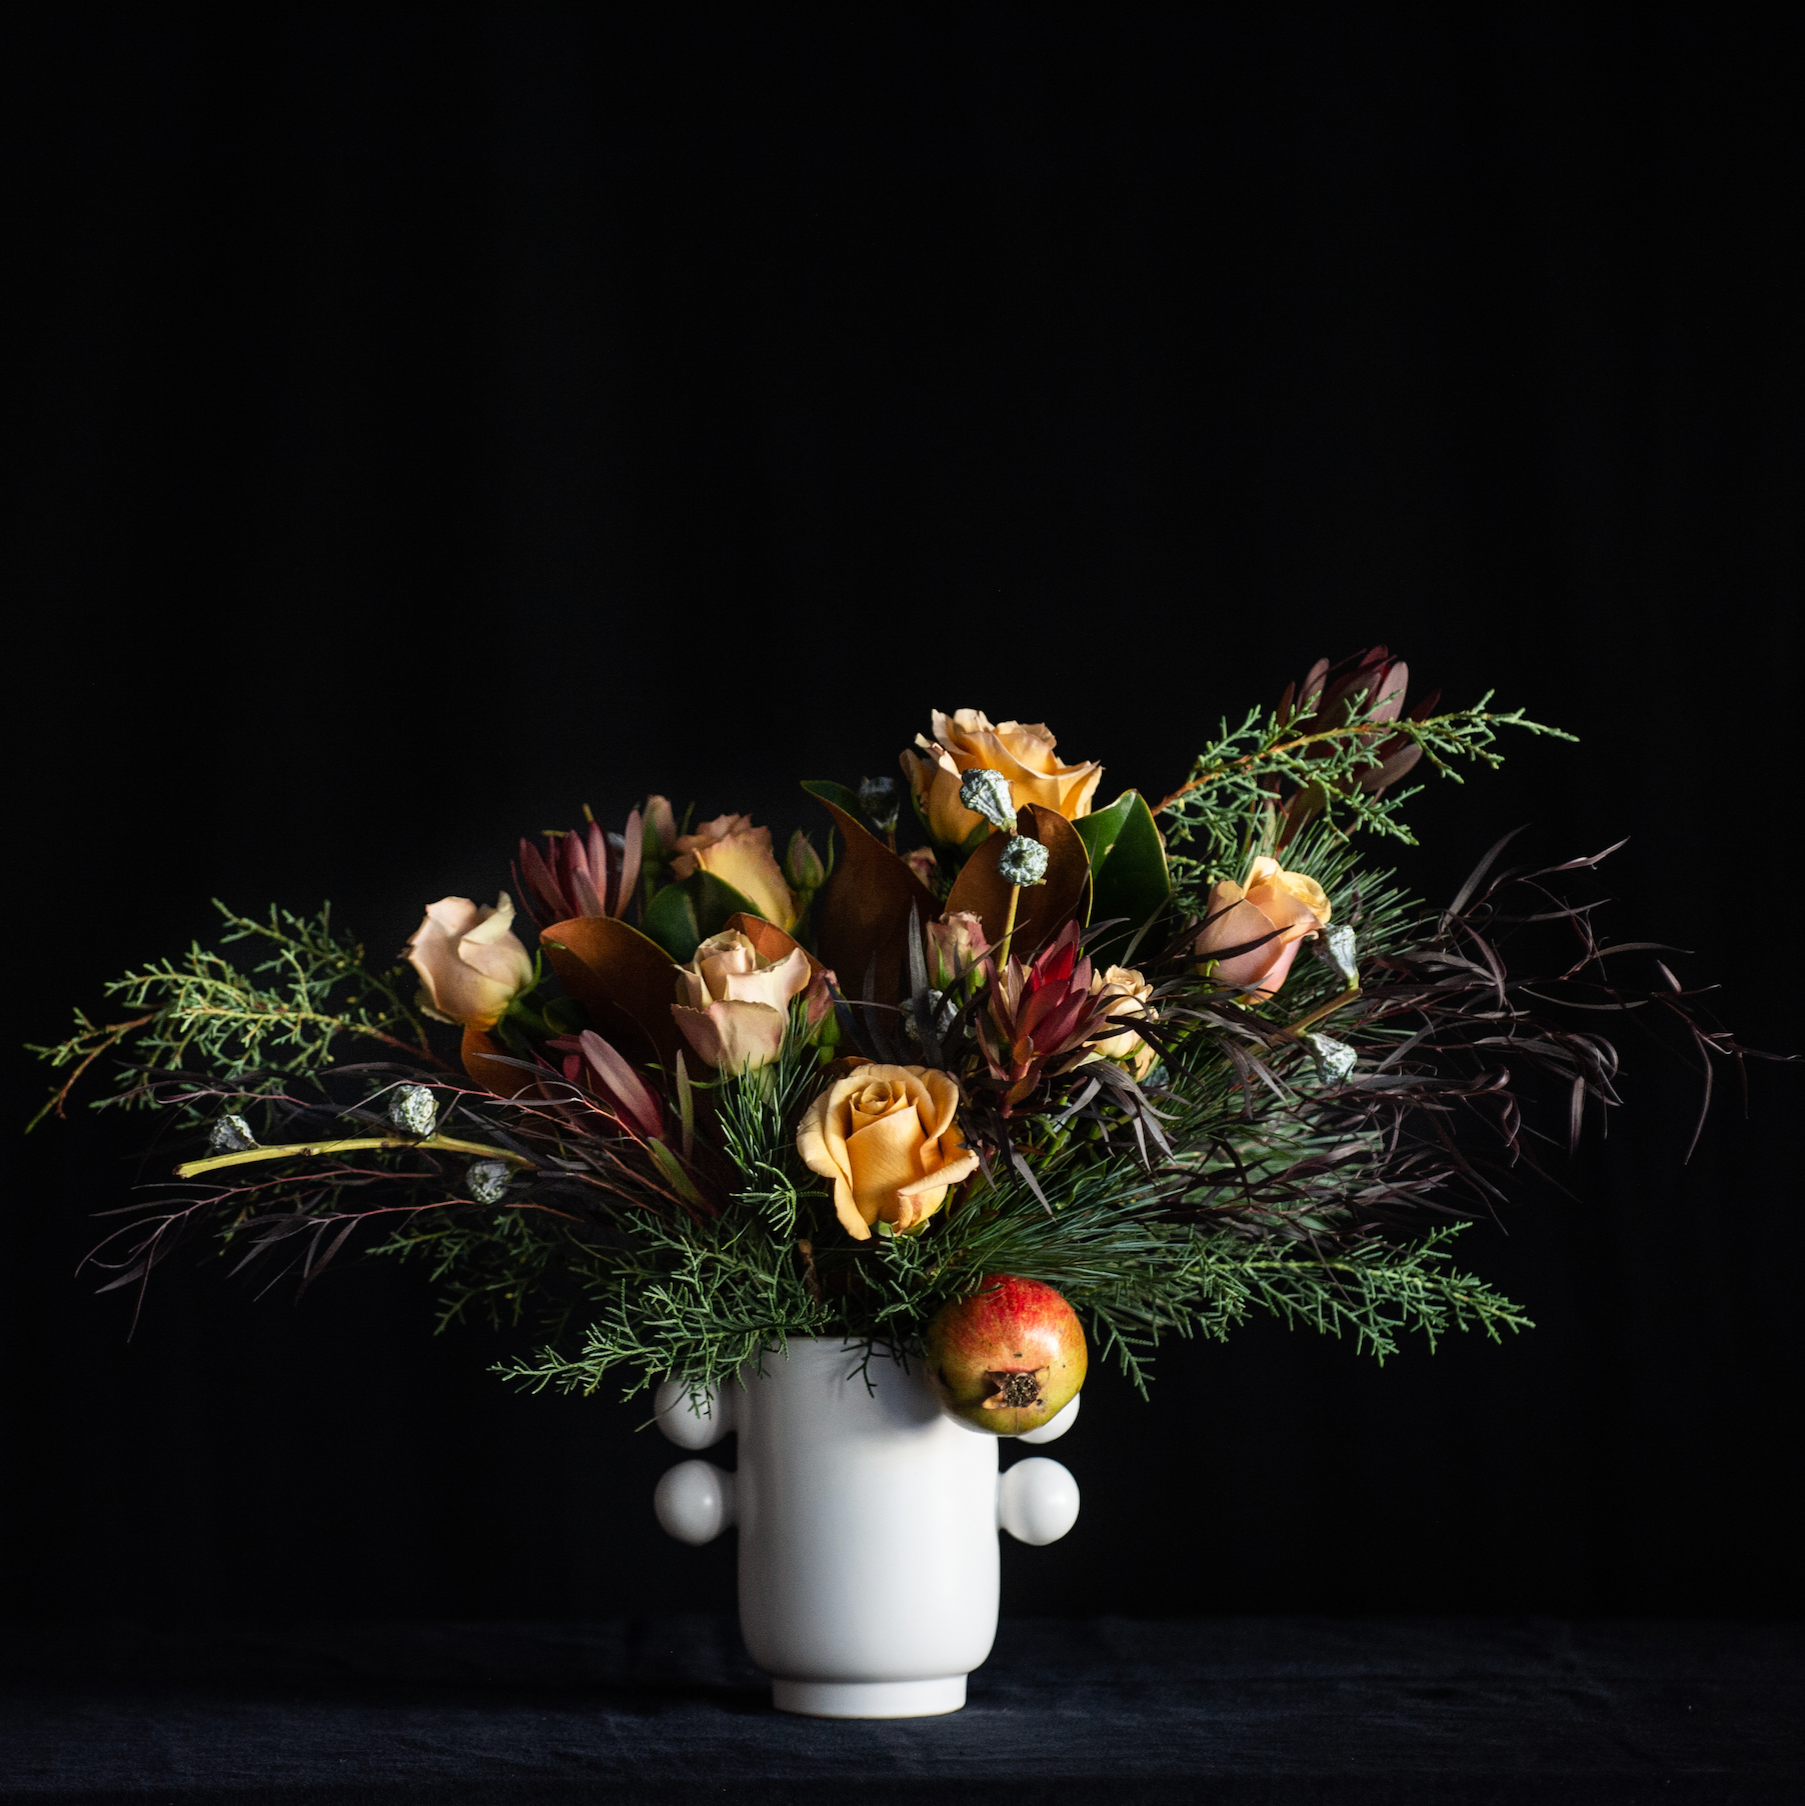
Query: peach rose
[[966, 740], [733, 1004], [1273, 899], [1126, 993], [885, 1136], [739, 854], [471, 968]]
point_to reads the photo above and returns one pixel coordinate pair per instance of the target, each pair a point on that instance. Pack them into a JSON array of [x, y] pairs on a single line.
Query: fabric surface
[[1274, 1710]]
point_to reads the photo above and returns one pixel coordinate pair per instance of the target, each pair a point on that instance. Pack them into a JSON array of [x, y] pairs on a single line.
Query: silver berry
[[231, 1135], [413, 1109], [488, 1180]]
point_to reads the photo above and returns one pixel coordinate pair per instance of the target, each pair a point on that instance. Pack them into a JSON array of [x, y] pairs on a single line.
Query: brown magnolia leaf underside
[[1045, 908], [863, 913], [485, 1060], [625, 981]]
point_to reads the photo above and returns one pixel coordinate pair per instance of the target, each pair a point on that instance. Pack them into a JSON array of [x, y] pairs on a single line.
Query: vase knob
[[1037, 1500], [1056, 1425], [687, 1426], [695, 1501]]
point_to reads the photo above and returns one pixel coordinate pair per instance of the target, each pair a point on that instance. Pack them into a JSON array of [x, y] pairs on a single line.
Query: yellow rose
[[471, 968], [965, 740], [886, 1137], [1284, 905], [733, 1004], [1126, 993], [739, 854]]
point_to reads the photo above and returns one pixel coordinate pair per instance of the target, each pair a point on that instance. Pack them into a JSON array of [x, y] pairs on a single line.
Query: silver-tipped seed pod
[[231, 1135], [1024, 861], [878, 798], [488, 1180], [987, 793], [413, 1110]]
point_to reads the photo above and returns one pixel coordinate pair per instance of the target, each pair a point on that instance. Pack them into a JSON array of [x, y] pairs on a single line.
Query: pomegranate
[[1009, 1359]]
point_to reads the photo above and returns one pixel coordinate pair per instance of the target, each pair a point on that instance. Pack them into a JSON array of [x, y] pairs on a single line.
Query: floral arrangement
[[1138, 1068]]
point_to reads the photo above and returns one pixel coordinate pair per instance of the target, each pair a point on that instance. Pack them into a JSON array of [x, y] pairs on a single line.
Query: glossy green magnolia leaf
[[683, 915], [1128, 872]]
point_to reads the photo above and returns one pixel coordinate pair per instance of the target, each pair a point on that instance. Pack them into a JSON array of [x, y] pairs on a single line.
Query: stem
[[191, 1169], [1015, 897], [1296, 1030], [113, 1032], [1284, 746]]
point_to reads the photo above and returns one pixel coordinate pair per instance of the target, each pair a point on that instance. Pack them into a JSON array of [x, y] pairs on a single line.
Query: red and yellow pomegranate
[[1009, 1359]]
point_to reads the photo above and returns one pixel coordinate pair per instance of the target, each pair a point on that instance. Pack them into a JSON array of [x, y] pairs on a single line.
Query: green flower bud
[[802, 867]]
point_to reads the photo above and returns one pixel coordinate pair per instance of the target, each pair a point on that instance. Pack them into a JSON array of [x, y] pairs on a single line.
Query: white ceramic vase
[[867, 1522]]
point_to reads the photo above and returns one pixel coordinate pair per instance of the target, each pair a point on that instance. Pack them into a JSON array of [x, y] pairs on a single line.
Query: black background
[[432, 426]]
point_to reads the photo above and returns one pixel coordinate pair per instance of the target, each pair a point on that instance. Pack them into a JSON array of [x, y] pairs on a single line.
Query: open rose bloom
[[966, 741], [471, 965], [1280, 909], [733, 1004], [731, 849], [886, 1139]]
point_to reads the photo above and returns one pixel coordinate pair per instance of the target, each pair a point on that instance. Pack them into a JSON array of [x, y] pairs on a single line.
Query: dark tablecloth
[[1273, 1710]]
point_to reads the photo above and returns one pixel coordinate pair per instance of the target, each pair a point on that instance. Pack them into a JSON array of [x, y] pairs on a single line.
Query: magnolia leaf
[[624, 981], [683, 915], [1128, 871], [492, 1066], [865, 912], [1045, 908]]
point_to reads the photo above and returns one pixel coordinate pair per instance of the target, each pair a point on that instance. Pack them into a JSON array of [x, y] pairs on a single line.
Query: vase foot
[[870, 1699]]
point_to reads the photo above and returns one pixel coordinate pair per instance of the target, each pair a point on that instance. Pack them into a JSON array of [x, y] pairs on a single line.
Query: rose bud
[[739, 854], [921, 861], [733, 1004], [1125, 993], [802, 866], [1279, 909], [885, 1136], [956, 948], [470, 965], [1023, 754]]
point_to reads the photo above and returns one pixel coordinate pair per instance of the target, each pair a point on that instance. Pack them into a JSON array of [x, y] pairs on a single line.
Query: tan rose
[[886, 1137], [1273, 900], [733, 1004], [739, 854], [966, 740], [1126, 992], [471, 968]]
